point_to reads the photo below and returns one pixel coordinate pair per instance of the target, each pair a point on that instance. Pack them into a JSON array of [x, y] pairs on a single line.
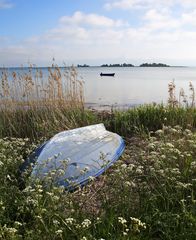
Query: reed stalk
[[32, 99]]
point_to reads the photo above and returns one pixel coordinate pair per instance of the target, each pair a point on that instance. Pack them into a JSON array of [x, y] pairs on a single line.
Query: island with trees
[[83, 65], [118, 65], [154, 65], [127, 65]]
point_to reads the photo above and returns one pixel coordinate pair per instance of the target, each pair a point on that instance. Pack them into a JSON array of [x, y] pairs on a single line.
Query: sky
[[97, 32]]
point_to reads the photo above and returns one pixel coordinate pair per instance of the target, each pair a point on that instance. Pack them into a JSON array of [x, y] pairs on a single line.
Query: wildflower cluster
[[131, 226], [153, 179], [149, 193]]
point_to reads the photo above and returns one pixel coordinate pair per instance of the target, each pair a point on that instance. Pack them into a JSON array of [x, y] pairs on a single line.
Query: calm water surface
[[133, 86]]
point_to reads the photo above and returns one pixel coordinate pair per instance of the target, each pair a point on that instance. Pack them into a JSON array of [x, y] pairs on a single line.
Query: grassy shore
[[150, 193], [36, 123]]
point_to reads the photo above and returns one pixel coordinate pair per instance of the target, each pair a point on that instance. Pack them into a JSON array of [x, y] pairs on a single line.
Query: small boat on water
[[107, 74]]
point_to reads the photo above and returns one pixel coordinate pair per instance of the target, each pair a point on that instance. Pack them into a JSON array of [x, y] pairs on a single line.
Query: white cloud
[[138, 4], [162, 19], [66, 32], [5, 4], [155, 20], [74, 37], [189, 18], [142, 4], [123, 4], [91, 37], [86, 29], [187, 3], [92, 19]]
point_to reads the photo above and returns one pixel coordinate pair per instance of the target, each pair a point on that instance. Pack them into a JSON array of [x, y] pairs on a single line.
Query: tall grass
[[148, 194], [150, 118], [33, 102], [34, 88], [180, 110], [181, 100], [39, 104]]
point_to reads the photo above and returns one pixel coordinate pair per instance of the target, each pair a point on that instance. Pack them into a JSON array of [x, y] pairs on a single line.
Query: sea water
[[131, 85], [134, 85]]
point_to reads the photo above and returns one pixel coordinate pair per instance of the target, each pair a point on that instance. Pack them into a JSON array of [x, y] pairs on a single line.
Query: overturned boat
[[71, 158]]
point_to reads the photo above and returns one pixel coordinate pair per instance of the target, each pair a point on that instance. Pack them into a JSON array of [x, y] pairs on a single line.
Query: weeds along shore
[[150, 193], [35, 106], [36, 123]]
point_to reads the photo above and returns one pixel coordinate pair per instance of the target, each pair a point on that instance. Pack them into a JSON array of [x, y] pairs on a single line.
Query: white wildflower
[[40, 190], [139, 170], [131, 166], [130, 184], [159, 132], [50, 194], [56, 198], [61, 172], [8, 177], [69, 220], [122, 220], [123, 166], [83, 238], [59, 232], [17, 224], [86, 169], [10, 230], [91, 178], [56, 222], [170, 145], [86, 223], [151, 146]]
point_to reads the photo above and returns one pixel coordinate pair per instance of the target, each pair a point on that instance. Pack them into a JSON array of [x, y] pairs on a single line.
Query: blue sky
[[97, 31]]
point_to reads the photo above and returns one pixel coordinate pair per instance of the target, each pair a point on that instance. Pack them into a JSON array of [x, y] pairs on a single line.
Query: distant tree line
[[84, 65], [129, 65], [154, 65], [118, 65]]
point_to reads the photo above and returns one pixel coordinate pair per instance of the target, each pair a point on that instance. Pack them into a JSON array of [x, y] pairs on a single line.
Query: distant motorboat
[[107, 74]]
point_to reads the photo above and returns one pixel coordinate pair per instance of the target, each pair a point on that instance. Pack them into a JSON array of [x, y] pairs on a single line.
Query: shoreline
[[110, 107]]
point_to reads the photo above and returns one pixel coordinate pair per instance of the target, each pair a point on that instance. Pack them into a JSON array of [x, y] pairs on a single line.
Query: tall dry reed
[[32, 88], [34, 100], [183, 100]]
